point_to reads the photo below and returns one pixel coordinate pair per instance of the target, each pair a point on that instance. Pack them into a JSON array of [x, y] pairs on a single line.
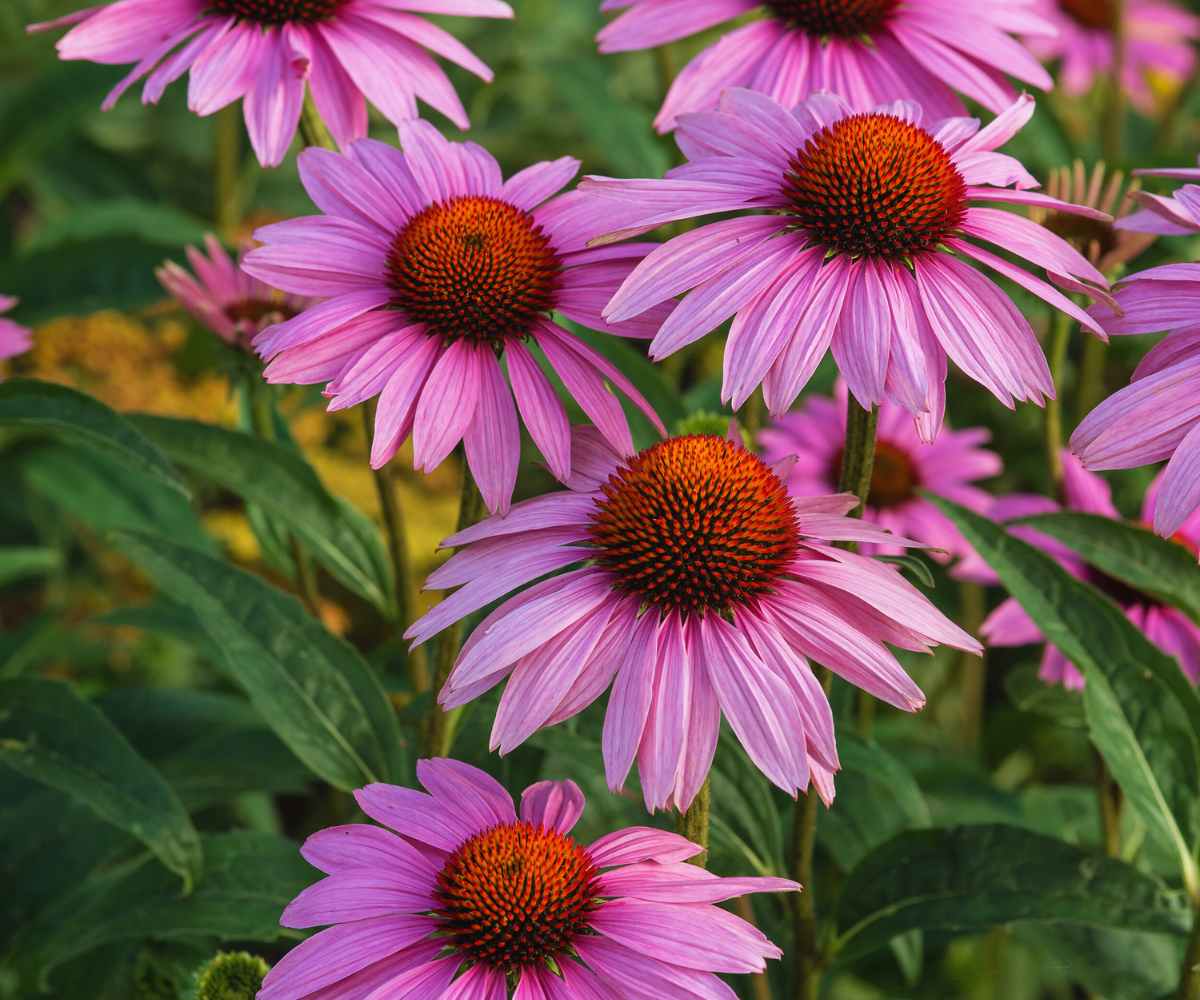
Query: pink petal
[[552, 804]]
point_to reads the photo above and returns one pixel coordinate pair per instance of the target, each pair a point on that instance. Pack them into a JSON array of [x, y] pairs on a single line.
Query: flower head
[[14, 338], [1167, 627], [703, 589], [1155, 417], [869, 51], [1105, 244], [903, 465], [227, 300], [434, 268], [468, 897], [1157, 42], [871, 216], [267, 51]]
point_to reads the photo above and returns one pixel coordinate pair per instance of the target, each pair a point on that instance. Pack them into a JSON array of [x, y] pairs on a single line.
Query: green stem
[[972, 677], [809, 961], [312, 128], [1114, 113], [227, 157], [858, 456], [402, 569], [693, 824], [1059, 337], [1091, 376], [750, 416], [306, 579], [470, 510]]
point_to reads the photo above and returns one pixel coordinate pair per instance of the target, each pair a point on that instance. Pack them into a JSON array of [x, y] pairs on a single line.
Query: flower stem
[[693, 824], [858, 457], [972, 609], [1091, 376], [312, 128], [750, 416], [226, 208], [402, 570], [809, 960], [1059, 337], [1189, 977], [470, 510], [1114, 113], [1108, 792]]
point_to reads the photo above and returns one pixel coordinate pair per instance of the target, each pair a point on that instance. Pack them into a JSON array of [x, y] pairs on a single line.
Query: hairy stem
[[1189, 977], [1059, 337], [858, 457], [693, 824], [809, 960], [402, 570], [470, 510], [312, 127]]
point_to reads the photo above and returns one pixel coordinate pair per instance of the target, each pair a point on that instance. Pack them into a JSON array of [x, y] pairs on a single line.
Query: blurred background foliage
[[92, 202]]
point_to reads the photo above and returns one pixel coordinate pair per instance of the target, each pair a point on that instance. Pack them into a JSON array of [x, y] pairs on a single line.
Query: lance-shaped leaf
[[1134, 555], [311, 687], [49, 733], [973, 877], [280, 481], [248, 880], [76, 416], [21, 561], [1143, 715]]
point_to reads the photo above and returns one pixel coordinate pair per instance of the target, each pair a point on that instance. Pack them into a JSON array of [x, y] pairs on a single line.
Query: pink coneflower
[[14, 338], [435, 267], [471, 890], [705, 588], [227, 300], [266, 50], [869, 51], [861, 252], [1155, 417], [1157, 37], [1168, 628], [903, 465]]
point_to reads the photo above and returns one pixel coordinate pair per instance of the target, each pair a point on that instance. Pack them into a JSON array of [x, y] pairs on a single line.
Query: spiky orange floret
[[696, 523], [874, 184], [845, 18], [1090, 13], [473, 267], [278, 11], [516, 895]]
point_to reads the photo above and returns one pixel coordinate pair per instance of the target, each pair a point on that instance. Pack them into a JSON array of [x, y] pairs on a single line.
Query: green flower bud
[[234, 975]]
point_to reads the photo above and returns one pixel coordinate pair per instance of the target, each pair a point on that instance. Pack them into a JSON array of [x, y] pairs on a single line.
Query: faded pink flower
[[14, 338], [868, 51], [1167, 627], [472, 896], [704, 589], [265, 51], [227, 300], [1158, 37], [863, 252], [903, 464], [434, 267]]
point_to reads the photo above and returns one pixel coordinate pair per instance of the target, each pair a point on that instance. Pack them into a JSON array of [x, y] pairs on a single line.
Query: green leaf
[[249, 878], [1133, 555], [915, 565], [50, 734], [1030, 693], [78, 417], [17, 562], [1143, 715], [312, 688], [1116, 965], [973, 877], [281, 482], [745, 820], [159, 225]]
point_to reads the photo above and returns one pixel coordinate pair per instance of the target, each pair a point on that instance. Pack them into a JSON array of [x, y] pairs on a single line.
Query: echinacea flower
[[233, 304], [1156, 416], [903, 465], [471, 897], [1105, 244], [869, 51], [1167, 627], [14, 338], [704, 589], [871, 217], [266, 51], [1156, 40], [434, 268]]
